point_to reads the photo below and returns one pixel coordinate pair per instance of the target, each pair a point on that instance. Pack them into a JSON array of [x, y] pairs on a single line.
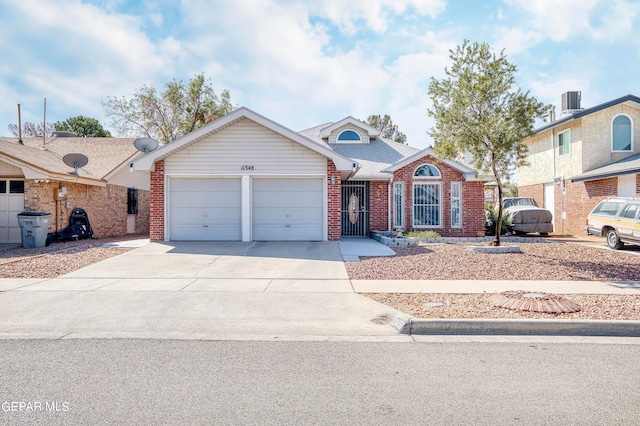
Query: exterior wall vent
[[571, 102]]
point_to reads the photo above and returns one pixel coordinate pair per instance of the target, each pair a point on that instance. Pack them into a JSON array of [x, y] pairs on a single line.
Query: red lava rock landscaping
[[534, 302]]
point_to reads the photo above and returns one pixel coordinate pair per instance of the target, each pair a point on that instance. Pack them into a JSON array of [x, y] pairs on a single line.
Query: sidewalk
[[279, 285]]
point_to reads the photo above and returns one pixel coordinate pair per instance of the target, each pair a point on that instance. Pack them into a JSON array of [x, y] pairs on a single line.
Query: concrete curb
[[516, 327]]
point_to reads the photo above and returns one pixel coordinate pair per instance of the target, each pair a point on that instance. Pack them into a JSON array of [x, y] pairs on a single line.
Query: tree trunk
[[496, 242]]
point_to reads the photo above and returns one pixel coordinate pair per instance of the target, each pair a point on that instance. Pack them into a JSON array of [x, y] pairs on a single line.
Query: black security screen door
[[354, 213]]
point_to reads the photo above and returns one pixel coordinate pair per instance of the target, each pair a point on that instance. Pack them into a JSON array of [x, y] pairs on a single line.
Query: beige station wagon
[[618, 220]]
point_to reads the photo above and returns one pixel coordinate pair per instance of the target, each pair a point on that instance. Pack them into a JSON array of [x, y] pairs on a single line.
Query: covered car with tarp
[[527, 217]]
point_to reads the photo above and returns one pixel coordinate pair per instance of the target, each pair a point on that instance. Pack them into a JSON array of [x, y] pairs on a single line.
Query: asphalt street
[[117, 381]]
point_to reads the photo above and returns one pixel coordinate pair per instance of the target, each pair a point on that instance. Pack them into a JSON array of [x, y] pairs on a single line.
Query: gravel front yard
[[59, 258], [538, 261]]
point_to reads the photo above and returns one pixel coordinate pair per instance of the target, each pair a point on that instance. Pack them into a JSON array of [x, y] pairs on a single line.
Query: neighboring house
[[244, 177], [33, 177], [580, 159]]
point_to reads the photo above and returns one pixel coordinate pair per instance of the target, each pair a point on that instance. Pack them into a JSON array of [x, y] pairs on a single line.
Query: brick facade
[[577, 201], [106, 206], [156, 204], [334, 194], [472, 219], [379, 206]]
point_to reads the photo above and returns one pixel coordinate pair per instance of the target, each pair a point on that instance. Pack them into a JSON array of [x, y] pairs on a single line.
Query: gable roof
[[468, 172], [372, 157], [147, 161], [628, 99], [44, 161], [326, 131], [626, 166]]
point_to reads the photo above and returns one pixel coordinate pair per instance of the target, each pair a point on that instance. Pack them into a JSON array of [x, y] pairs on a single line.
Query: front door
[[354, 217]]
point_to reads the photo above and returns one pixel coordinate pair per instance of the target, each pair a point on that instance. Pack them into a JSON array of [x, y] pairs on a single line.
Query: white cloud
[[275, 50], [374, 13], [76, 55], [515, 40], [598, 19]]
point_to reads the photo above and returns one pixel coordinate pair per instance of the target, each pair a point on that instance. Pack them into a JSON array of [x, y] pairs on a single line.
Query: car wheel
[[613, 241]]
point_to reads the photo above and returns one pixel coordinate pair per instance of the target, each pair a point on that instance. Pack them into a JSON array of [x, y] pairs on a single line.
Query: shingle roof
[[372, 157], [630, 99], [629, 165], [104, 154]]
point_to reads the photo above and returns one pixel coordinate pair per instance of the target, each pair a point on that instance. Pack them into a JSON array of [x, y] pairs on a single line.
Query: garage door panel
[[288, 209], [205, 209], [10, 205]]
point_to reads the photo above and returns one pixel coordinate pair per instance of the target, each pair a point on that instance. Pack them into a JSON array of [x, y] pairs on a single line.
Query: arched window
[[621, 134], [427, 171], [349, 136]]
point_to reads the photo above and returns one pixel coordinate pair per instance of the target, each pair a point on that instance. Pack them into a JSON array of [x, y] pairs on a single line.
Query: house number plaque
[[246, 167]]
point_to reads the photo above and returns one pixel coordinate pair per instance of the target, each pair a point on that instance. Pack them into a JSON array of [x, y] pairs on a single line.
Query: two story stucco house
[[582, 158], [244, 177]]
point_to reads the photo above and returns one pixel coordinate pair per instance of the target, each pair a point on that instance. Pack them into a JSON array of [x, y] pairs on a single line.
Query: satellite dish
[[145, 145], [76, 161]]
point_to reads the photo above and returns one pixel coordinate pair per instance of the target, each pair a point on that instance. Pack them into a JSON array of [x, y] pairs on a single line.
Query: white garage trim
[[11, 203], [246, 212], [204, 209], [288, 208]]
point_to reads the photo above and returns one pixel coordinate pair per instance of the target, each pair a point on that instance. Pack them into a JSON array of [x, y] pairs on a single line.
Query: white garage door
[[202, 209], [11, 203], [288, 209]]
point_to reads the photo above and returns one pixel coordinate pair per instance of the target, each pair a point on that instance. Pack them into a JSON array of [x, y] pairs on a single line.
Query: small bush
[[491, 216], [421, 234]]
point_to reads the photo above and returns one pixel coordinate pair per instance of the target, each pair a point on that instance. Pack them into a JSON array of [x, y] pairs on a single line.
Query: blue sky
[[303, 63]]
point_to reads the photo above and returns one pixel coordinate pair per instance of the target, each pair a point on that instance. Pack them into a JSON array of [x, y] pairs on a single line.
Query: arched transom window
[[621, 134], [349, 136], [427, 171]]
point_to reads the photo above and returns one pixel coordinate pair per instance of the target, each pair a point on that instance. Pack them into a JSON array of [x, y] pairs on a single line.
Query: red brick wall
[[106, 207], [334, 193], [472, 199], [156, 227], [533, 191], [577, 202], [379, 206]]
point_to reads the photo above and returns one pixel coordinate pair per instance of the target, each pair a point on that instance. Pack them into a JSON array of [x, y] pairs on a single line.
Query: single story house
[[34, 177], [245, 177]]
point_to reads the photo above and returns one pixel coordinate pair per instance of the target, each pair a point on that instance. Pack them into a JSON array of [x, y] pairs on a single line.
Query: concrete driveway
[[199, 290], [224, 260]]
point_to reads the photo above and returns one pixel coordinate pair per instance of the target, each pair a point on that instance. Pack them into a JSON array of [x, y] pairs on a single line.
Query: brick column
[[156, 203], [334, 194]]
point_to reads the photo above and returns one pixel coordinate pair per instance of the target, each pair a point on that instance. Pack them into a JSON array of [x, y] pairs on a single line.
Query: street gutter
[[515, 327]]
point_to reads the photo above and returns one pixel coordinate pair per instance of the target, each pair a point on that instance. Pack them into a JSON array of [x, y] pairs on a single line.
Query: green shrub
[[421, 234], [491, 216]]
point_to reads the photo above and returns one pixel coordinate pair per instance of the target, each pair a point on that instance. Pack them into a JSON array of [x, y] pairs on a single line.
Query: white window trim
[[568, 132], [349, 141], [413, 206], [427, 177], [397, 224], [459, 185], [631, 121]]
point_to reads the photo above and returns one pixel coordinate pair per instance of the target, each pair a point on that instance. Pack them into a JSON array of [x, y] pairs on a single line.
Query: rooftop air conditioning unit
[[571, 102]]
